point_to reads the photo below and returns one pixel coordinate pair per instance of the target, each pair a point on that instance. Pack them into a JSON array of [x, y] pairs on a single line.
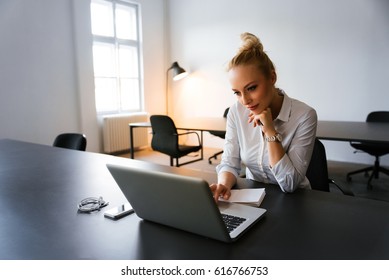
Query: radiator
[[116, 132]]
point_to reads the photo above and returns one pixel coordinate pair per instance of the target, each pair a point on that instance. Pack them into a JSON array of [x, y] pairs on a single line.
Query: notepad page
[[247, 196]]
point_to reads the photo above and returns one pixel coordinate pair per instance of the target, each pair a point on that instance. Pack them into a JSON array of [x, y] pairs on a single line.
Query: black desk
[[353, 131], [40, 188]]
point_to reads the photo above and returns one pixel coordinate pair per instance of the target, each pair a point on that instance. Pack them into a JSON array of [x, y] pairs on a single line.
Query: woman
[[270, 133]]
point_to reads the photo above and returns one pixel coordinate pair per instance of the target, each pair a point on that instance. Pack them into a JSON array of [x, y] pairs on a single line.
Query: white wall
[[38, 86], [330, 54], [46, 69], [154, 54]]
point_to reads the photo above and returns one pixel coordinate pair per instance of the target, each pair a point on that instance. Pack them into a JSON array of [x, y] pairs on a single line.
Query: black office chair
[[221, 134], [375, 149], [166, 140], [74, 141], [317, 172]]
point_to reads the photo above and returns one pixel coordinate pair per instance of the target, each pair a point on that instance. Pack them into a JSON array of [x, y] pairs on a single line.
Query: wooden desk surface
[[40, 187]]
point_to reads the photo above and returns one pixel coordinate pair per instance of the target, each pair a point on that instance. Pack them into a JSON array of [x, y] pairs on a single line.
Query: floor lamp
[[178, 74]]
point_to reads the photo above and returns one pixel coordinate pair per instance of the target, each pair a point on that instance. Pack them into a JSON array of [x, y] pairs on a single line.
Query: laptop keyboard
[[232, 222]]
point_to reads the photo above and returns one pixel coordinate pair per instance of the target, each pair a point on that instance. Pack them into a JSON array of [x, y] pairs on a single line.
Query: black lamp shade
[[178, 71]]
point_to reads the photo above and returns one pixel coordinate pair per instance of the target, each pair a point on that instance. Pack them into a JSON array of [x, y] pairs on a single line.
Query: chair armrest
[[191, 132], [345, 191]]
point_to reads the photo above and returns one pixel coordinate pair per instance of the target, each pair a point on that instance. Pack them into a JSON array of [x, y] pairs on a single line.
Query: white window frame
[[117, 42]]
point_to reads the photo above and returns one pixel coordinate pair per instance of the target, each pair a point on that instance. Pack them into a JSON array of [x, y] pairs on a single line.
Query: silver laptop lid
[[178, 201]]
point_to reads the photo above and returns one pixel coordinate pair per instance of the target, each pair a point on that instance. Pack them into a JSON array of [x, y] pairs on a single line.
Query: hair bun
[[250, 42], [251, 52]]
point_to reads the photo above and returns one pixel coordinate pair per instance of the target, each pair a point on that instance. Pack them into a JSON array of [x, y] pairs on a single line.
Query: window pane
[[104, 60], [116, 58], [128, 62], [126, 22], [106, 94], [102, 18], [130, 94]]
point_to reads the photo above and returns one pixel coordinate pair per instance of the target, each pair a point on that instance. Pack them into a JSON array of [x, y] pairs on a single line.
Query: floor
[[337, 171]]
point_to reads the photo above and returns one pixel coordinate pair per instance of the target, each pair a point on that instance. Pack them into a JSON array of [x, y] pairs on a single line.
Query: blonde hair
[[251, 52]]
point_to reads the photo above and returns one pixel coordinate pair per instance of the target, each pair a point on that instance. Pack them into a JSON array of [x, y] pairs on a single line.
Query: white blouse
[[245, 144]]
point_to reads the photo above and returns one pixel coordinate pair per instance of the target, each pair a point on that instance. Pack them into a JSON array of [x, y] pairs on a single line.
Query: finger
[[214, 189], [227, 195], [217, 194], [258, 122], [253, 119]]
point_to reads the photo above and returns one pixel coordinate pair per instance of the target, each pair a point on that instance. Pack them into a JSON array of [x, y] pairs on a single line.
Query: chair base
[[214, 156], [376, 169]]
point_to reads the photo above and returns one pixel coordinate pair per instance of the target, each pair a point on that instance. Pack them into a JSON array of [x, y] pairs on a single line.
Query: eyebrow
[[247, 85]]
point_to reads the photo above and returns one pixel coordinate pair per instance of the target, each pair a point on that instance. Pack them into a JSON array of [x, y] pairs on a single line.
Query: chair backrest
[[74, 141], [378, 116], [374, 149], [226, 112], [317, 172], [165, 137], [221, 134]]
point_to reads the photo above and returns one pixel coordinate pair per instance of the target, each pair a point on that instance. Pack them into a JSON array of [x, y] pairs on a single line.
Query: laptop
[[182, 202]]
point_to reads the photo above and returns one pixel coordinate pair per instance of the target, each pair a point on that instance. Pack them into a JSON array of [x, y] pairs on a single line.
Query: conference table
[[41, 186], [353, 131]]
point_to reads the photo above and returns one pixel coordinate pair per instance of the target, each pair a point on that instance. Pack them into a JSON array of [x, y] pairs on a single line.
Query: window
[[116, 56]]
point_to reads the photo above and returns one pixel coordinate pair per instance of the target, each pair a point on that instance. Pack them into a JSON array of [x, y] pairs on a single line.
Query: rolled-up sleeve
[[231, 161], [291, 169]]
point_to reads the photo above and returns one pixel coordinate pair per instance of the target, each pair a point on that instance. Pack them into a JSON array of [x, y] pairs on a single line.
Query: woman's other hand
[[220, 190]]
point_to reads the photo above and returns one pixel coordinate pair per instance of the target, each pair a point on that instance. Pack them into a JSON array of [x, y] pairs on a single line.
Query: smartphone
[[119, 212]]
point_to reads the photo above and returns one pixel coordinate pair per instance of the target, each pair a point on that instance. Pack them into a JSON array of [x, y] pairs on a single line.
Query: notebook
[[182, 202], [251, 197]]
